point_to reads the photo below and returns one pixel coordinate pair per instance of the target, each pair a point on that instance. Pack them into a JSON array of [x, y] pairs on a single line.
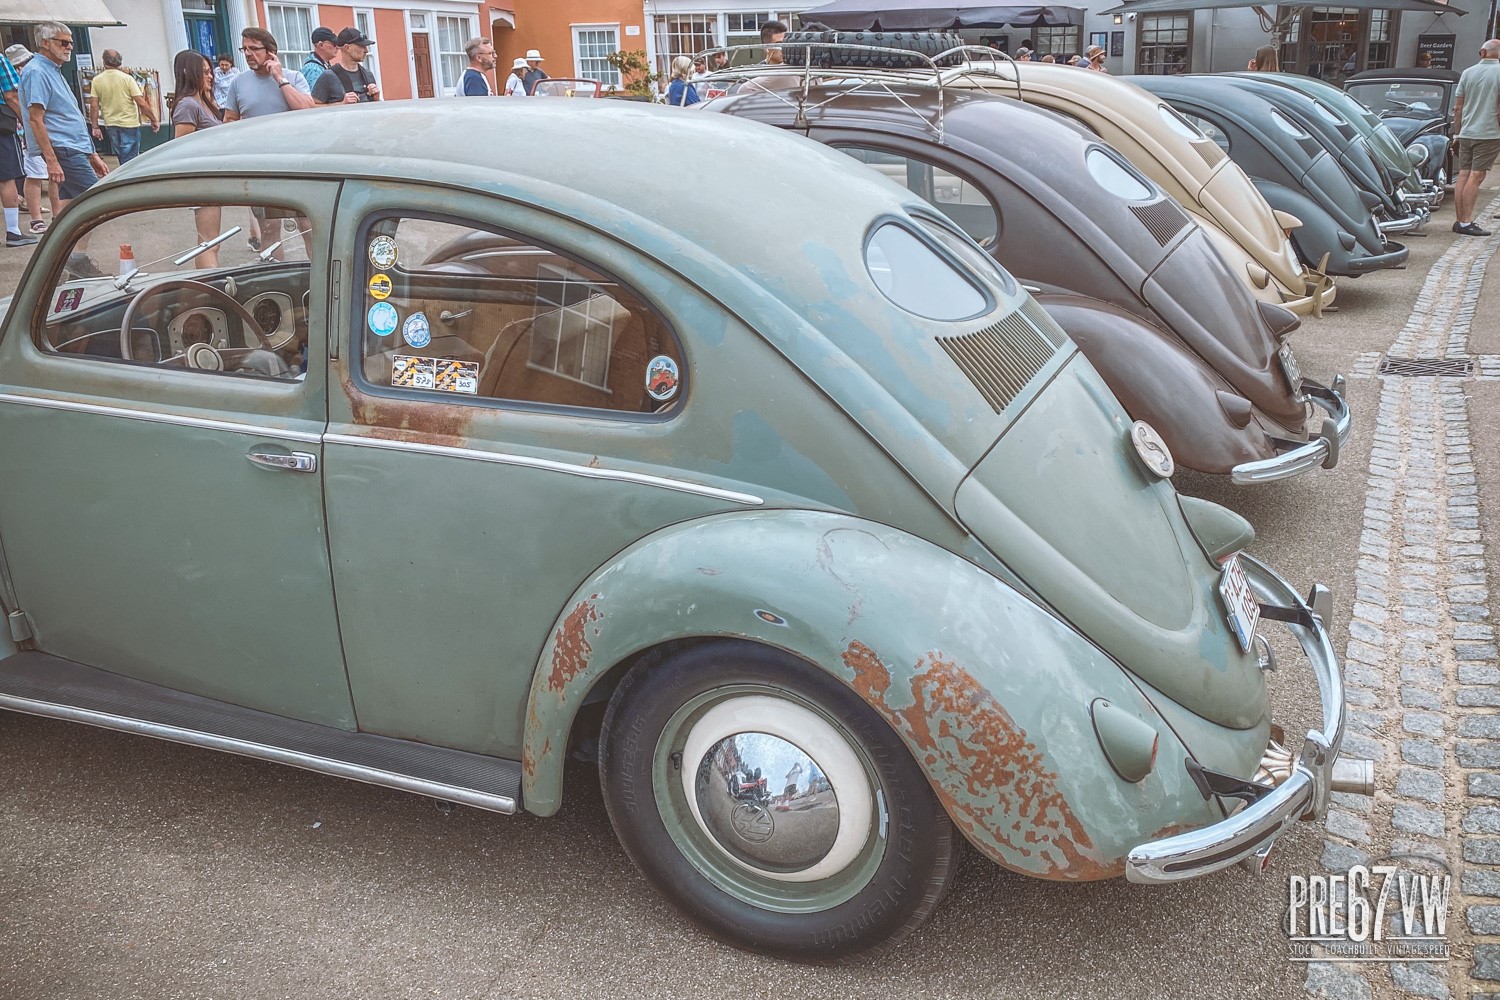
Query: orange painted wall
[[547, 25], [395, 54]]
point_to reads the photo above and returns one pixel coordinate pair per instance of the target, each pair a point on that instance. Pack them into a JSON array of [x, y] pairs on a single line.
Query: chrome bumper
[[1431, 196], [1322, 452], [1417, 216], [1303, 795]]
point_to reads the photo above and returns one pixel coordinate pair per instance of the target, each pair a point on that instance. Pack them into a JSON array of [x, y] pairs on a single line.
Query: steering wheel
[[202, 356]]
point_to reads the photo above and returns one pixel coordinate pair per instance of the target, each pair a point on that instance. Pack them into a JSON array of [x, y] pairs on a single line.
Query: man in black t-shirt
[[347, 81]]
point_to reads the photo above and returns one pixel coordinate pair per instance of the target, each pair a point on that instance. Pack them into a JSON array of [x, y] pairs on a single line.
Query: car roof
[[1407, 73]]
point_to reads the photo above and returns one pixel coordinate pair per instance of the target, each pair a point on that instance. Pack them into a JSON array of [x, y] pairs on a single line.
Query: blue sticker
[[415, 331], [383, 319]]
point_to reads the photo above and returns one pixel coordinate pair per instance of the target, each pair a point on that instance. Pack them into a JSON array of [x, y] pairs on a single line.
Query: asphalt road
[[136, 868]]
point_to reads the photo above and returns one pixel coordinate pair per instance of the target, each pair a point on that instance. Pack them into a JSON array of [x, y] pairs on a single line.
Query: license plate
[[1243, 608], [1289, 365]]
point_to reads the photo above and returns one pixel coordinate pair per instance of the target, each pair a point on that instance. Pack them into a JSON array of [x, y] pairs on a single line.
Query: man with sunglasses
[[54, 120]]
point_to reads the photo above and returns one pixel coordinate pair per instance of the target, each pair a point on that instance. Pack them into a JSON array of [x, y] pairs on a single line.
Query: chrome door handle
[[297, 461]]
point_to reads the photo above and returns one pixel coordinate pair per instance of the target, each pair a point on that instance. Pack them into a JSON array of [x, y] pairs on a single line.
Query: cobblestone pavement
[[1421, 661]]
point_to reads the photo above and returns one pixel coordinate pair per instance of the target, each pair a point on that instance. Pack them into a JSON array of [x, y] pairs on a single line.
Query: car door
[[513, 412], [162, 506]]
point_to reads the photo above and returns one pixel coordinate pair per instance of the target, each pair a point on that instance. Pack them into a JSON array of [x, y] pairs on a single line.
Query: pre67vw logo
[[1376, 913]]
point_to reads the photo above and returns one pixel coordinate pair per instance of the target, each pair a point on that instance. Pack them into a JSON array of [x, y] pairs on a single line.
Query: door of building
[[421, 57]]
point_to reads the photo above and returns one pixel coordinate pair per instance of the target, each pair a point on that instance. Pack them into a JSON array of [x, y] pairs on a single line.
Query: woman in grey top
[[195, 109]]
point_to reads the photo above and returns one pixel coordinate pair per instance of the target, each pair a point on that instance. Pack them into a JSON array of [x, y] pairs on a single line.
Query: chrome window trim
[[523, 461], [147, 416]]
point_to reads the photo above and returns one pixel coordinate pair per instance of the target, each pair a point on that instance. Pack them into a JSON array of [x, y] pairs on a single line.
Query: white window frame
[[290, 57], [435, 37], [608, 75], [372, 57]]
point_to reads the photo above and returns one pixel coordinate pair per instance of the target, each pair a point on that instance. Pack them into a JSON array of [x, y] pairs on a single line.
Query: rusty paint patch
[[408, 419], [570, 645], [989, 776]]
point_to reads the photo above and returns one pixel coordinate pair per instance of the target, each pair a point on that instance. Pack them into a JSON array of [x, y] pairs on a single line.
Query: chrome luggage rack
[[794, 83]]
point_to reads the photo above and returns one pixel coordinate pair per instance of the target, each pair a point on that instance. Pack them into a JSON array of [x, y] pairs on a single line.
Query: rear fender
[[1160, 381], [989, 692], [1319, 232]]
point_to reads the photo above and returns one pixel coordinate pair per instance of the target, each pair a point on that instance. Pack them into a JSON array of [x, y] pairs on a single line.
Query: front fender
[[989, 692], [1437, 154]]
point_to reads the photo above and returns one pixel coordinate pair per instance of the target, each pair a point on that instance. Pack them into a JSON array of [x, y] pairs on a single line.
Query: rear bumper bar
[[1395, 256], [1322, 452]]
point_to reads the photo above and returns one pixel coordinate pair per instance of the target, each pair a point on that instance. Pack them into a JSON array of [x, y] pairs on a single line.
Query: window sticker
[[408, 372], [380, 286], [661, 378], [416, 332], [383, 319], [382, 252], [457, 376], [68, 299]]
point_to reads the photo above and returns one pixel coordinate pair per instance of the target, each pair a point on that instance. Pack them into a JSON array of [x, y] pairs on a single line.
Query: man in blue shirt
[[11, 171], [325, 46], [476, 82]]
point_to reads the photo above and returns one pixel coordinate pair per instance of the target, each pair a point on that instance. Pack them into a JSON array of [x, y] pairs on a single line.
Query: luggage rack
[[794, 83]]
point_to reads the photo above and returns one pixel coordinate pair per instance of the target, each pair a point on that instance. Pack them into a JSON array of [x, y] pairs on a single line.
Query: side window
[[451, 309], [953, 194], [1209, 129], [216, 289]]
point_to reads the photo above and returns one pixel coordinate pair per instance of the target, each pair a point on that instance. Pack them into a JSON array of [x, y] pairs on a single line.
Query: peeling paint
[[570, 645], [408, 419], [992, 780]]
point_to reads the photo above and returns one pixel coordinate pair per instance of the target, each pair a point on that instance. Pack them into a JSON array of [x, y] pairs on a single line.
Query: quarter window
[[953, 194], [452, 310]]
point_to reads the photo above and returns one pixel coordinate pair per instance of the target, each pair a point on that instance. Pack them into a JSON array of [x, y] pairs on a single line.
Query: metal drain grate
[[1419, 367]]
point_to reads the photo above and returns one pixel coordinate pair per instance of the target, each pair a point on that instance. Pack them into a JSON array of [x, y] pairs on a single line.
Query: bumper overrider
[[1303, 794], [1431, 195], [1300, 457]]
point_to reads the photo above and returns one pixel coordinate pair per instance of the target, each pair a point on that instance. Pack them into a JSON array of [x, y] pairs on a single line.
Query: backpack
[[350, 87]]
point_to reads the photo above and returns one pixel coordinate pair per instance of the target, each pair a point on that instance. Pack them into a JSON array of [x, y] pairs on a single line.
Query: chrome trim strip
[[259, 751], [498, 458], [51, 403], [1304, 795], [1309, 456]]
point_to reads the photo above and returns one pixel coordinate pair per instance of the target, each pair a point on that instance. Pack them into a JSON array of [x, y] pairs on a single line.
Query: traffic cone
[[127, 259]]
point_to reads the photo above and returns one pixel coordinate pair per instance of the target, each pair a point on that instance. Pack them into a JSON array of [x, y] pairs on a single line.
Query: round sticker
[[383, 319], [661, 378], [415, 330], [380, 286], [382, 252]]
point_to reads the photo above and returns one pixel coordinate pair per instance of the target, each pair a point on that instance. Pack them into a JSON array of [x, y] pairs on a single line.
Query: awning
[[1177, 6], [85, 13], [935, 15]]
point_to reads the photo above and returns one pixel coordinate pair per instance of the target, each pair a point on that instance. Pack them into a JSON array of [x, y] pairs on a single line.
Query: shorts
[[78, 174], [10, 158], [1477, 154], [36, 167]]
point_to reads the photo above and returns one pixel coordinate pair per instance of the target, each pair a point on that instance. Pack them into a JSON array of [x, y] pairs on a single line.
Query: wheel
[[827, 52], [853, 853]]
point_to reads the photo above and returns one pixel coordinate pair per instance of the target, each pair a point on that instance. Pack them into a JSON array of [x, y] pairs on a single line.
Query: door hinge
[[20, 628], [335, 294]]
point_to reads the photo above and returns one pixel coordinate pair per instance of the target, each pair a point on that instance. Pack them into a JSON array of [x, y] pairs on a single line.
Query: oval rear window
[[1115, 178], [914, 276], [1327, 115], [1179, 124], [1288, 126]]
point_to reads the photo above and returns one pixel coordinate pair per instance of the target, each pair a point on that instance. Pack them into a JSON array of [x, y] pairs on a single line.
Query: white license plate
[[1240, 602], [1289, 365]]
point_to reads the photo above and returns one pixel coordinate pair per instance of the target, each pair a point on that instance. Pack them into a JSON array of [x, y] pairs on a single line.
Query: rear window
[[912, 274]]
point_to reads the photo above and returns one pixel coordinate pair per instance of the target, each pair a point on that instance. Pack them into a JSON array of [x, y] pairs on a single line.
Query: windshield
[[1400, 97]]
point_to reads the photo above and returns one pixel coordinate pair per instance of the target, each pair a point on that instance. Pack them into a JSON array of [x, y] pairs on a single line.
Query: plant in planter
[[635, 68]]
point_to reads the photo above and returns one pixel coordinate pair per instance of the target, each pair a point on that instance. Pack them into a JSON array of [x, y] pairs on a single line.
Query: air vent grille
[[1210, 151], [1162, 219], [1429, 367], [1000, 359]]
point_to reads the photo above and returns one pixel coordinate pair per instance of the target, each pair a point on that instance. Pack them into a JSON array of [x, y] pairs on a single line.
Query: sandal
[[39, 226]]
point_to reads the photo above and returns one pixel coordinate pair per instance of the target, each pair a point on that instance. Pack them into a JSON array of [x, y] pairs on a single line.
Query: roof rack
[[978, 64]]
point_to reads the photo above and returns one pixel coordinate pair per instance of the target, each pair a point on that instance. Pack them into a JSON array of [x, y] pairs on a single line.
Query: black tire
[[828, 54], [869, 899]]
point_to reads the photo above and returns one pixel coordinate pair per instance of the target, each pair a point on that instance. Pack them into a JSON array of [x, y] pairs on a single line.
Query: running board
[[40, 684]]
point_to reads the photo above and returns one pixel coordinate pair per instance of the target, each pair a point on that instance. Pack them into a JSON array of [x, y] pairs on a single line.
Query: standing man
[[119, 97], [347, 81], [1476, 113], [534, 74], [11, 171], [476, 81], [771, 34], [325, 47], [267, 89]]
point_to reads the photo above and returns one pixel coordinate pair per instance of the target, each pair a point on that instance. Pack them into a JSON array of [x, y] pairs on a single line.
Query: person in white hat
[[534, 74], [515, 85]]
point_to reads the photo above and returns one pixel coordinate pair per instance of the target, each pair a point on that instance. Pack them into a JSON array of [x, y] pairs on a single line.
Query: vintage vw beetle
[[1294, 171], [1417, 104], [1379, 191], [1210, 367], [477, 464], [1401, 162]]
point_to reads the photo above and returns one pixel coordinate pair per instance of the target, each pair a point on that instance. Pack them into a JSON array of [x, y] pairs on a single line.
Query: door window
[[953, 194], [213, 289], [450, 311]]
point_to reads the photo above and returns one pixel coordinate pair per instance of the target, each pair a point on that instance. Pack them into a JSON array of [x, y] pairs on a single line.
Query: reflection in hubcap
[[765, 801]]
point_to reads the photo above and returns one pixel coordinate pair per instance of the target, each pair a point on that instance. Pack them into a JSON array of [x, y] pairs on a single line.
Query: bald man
[[1476, 115]]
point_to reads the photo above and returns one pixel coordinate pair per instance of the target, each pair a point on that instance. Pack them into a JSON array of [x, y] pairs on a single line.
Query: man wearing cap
[[325, 47], [534, 74], [11, 172], [515, 84], [347, 81], [118, 99], [1023, 54]]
